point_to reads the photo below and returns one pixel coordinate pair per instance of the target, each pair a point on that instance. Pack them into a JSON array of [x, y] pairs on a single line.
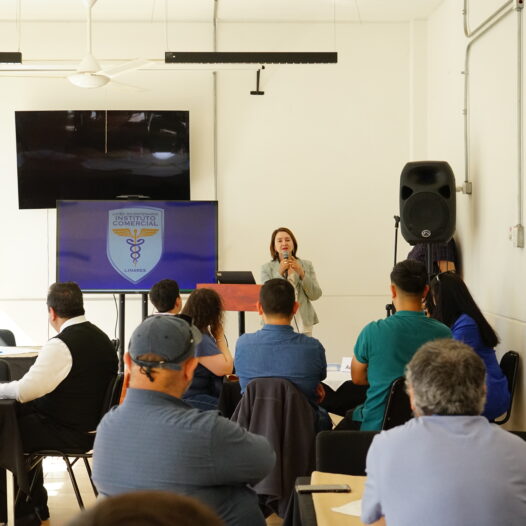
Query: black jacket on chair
[[278, 410]]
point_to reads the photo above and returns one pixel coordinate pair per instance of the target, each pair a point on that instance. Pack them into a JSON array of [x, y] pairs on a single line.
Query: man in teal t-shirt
[[384, 347]]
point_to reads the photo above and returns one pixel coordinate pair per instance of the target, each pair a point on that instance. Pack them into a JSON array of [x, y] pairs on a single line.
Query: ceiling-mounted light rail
[[10, 58], [244, 57]]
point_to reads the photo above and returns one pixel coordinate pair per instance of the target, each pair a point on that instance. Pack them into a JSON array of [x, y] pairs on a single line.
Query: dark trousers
[[346, 397], [39, 432]]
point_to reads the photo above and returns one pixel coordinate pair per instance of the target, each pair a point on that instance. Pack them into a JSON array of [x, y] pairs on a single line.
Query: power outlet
[[517, 236]]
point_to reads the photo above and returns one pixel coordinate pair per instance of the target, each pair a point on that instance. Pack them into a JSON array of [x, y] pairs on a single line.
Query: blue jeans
[[202, 401]]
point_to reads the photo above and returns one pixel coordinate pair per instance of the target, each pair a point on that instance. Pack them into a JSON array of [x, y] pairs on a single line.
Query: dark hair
[[164, 294], [410, 276], [65, 299], [273, 253], [277, 296], [452, 299], [447, 378], [147, 508], [205, 307]]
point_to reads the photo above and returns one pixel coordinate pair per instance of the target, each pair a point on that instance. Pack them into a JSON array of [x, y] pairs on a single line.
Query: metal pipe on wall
[[216, 7], [465, 12], [481, 30], [520, 144], [467, 183]]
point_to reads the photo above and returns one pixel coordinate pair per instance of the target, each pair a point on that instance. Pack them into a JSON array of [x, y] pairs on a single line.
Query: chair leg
[[73, 481], [88, 469]]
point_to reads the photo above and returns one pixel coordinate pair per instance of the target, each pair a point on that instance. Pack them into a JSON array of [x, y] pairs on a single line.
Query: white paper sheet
[[12, 351], [351, 508]]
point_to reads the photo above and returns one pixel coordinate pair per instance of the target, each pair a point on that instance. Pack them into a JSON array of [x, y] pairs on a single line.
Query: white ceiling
[[228, 10]]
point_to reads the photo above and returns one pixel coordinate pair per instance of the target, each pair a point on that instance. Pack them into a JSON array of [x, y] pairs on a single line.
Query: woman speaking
[[299, 272]]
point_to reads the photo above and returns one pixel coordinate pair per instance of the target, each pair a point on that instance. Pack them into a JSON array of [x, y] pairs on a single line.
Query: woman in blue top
[[454, 306], [206, 310]]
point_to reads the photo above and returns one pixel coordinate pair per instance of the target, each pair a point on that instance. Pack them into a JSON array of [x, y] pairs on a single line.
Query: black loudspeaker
[[427, 202]]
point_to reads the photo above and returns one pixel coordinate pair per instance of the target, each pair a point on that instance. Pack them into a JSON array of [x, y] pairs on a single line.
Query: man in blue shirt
[[448, 465], [155, 441], [276, 350]]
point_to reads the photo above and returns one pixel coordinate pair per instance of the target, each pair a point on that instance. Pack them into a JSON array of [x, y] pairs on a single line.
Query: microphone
[[285, 255]]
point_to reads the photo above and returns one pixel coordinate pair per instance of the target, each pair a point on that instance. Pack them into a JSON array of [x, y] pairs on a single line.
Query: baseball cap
[[171, 337]]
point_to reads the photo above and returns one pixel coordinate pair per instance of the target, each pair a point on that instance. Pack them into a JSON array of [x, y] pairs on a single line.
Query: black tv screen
[[101, 155]]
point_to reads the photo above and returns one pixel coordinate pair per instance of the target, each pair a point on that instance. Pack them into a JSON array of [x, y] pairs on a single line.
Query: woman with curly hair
[[205, 308]]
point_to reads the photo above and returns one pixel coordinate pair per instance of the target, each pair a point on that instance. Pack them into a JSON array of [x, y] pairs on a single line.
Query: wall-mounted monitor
[[101, 155], [127, 246]]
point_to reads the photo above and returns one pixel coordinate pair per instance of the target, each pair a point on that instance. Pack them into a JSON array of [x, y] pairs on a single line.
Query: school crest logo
[[135, 241]]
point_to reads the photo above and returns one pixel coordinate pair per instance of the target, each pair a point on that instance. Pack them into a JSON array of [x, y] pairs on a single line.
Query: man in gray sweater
[[156, 441]]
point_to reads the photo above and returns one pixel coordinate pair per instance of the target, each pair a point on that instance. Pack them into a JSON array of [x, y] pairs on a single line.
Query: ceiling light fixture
[[244, 57], [11, 58]]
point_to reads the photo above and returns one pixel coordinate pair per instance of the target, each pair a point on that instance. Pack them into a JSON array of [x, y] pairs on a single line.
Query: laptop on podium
[[235, 277]]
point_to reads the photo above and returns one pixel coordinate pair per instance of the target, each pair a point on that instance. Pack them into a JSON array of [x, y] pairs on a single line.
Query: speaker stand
[[429, 262], [390, 308]]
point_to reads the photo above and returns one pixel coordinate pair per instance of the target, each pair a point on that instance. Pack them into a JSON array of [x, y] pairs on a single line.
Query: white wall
[[493, 268], [320, 152]]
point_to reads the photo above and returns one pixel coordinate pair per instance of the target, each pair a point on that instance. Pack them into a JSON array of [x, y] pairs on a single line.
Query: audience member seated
[[444, 256], [154, 440], [165, 297], [384, 347], [205, 309], [63, 392], [277, 351], [455, 307], [449, 465], [147, 508]]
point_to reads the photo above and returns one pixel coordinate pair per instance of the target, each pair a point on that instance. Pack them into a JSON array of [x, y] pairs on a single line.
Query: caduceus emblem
[[135, 240]]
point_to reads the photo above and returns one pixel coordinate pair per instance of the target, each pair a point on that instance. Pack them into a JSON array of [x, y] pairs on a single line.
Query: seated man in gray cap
[[449, 465], [155, 441]]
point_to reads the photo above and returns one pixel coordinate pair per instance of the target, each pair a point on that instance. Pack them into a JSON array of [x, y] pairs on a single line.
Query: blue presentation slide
[[127, 246]]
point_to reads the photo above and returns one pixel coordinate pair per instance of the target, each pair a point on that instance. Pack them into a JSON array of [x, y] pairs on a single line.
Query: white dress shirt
[[52, 365]]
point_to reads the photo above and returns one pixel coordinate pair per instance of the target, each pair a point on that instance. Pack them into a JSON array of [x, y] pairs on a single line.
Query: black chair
[[70, 456], [520, 434], [509, 364], [343, 451], [7, 338], [398, 409]]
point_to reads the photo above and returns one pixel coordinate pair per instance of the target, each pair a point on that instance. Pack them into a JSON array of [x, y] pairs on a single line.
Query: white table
[[336, 378]]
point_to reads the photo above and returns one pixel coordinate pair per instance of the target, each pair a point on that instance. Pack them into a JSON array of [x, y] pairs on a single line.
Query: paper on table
[[17, 350], [351, 508], [346, 363]]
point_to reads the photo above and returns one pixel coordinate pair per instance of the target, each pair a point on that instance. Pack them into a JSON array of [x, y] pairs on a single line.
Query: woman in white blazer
[[300, 272]]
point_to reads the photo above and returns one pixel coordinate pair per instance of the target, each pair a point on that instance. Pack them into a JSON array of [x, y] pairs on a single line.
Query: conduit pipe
[[465, 12], [481, 30], [216, 8], [466, 188]]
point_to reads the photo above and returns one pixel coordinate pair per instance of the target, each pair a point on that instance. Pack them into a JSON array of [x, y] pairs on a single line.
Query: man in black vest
[[62, 394]]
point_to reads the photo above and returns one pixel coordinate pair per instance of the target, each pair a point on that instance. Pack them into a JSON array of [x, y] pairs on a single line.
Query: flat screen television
[[101, 155], [127, 246]]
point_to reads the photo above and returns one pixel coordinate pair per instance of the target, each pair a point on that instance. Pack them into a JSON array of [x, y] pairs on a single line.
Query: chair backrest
[[7, 338], [343, 451], [509, 363], [113, 393], [278, 410], [520, 434], [398, 409]]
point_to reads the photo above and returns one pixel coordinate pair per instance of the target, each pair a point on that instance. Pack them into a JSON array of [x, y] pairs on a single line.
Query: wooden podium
[[238, 298]]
